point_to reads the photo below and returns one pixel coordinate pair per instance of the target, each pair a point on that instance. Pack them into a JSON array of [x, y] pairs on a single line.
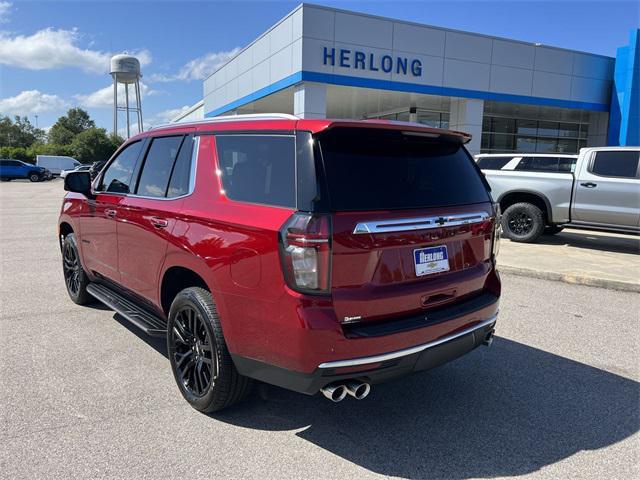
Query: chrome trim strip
[[419, 223], [408, 351]]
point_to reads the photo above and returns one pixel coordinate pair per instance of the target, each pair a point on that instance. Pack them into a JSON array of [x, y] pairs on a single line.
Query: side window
[[567, 164], [621, 163], [179, 183], [538, 164], [157, 167], [117, 176], [493, 163], [258, 168]]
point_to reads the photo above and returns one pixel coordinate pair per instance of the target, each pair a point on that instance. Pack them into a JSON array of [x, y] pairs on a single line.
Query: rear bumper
[[376, 368]]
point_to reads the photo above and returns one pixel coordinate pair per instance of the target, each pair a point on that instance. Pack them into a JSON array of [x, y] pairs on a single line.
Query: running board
[[146, 321]]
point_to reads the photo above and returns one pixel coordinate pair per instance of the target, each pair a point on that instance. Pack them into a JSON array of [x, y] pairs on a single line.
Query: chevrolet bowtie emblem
[[440, 221]]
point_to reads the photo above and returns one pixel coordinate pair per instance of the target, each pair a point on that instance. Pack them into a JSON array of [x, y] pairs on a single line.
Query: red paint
[[234, 247]]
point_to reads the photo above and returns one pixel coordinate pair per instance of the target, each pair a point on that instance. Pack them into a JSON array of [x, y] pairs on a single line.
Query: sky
[[55, 55]]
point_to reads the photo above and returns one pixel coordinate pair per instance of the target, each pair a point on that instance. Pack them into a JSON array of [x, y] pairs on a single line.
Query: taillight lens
[[305, 252], [497, 229]]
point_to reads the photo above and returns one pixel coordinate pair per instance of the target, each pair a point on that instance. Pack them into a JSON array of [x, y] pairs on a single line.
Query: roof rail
[[231, 118]]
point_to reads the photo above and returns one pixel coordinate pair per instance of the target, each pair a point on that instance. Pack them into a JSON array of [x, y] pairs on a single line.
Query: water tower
[[125, 69]]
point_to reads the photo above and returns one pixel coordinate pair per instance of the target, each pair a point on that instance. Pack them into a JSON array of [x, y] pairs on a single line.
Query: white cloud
[[55, 48], [31, 101], [166, 115], [199, 68], [103, 98], [5, 10]]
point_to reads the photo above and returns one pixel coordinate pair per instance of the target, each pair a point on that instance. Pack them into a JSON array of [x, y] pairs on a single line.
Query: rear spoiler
[[407, 128]]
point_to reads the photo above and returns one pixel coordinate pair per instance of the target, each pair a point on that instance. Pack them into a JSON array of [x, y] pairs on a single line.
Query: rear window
[[493, 163], [375, 169]]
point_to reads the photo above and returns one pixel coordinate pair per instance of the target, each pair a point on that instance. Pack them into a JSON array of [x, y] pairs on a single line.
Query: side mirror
[[78, 182]]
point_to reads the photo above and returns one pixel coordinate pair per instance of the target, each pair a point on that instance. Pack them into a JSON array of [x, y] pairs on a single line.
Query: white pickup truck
[[601, 192]]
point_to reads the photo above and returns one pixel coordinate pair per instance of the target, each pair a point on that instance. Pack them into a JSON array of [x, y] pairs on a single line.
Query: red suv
[[317, 255]]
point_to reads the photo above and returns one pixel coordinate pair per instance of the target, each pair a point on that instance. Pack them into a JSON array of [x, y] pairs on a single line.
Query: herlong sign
[[359, 60]]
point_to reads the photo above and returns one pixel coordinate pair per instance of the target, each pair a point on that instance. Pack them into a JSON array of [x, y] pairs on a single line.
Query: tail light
[[497, 229], [305, 252]]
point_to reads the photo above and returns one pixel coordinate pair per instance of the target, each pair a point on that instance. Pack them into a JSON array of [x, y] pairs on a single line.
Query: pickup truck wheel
[[552, 230], [523, 222], [75, 278], [34, 177], [200, 361]]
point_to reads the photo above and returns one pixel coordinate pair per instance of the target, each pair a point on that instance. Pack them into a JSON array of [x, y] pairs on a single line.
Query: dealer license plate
[[431, 260]]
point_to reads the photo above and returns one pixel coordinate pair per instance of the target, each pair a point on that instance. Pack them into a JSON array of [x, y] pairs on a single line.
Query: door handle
[[589, 184], [159, 222], [110, 213]]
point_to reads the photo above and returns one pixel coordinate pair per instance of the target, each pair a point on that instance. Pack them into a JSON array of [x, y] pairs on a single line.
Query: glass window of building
[[528, 129]]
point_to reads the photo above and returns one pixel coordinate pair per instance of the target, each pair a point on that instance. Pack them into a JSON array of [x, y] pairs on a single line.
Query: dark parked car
[[316, 255], [13, 169]]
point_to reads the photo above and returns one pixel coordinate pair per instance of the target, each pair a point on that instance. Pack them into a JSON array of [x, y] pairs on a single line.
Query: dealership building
[[510, 95]]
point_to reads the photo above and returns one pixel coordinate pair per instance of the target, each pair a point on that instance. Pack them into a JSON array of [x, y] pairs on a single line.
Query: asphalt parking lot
[[85, 395]]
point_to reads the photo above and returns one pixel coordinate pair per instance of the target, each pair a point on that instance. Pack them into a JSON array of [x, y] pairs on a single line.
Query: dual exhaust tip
[[336, 392]]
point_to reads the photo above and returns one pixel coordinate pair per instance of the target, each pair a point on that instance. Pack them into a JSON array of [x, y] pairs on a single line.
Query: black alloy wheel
[[201, 363], [75, 278], [520, 223], [71, 267], [523, 222], [194, 356], [34, 177]]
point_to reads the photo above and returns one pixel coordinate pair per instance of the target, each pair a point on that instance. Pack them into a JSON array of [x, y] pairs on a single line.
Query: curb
[[571, 278]]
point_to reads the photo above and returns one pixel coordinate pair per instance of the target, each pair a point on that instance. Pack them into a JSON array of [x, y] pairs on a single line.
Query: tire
[[75, 278], [5, 179], [34, 177], [552, 229], [200, 361], [523, 222]]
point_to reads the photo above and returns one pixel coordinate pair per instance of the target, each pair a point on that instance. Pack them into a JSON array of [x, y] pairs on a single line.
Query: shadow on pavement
[[506, 411], [600, 241]]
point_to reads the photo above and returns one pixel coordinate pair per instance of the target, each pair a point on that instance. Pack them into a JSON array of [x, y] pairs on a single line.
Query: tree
[[68, 126], [94, 144], [19, 132]]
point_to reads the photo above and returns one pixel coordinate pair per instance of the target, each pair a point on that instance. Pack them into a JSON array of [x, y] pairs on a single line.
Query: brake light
[[497, 229], [305, 252]]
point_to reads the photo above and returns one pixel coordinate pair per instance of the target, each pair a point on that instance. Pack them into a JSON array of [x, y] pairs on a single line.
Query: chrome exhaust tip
[[488, 339], [334, 392], [358, 389]]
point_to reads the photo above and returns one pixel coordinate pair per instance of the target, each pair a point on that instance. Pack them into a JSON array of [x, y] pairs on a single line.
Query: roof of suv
[[291, 122]]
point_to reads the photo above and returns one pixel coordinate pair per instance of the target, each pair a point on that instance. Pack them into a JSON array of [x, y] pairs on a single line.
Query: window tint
[[117, 176], [538, 164], [258, 168], [493, 163], [616, 164], [156, 170], [374, 169], [567, 164], [179, 183]]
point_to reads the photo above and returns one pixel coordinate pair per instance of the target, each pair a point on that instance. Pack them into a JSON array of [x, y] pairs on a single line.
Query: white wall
[[457, 59], [452, 59], [273, 56]]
